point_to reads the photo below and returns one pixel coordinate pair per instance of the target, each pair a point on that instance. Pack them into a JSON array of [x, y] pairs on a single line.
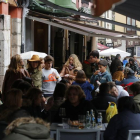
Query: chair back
[[76, 134], [134, 135]]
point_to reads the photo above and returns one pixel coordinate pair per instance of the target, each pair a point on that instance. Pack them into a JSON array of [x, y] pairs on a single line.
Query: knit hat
[[35, 58], [103, 62]]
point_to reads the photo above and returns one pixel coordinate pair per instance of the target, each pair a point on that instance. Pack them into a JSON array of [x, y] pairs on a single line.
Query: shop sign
[[109, 45], [117, 43]]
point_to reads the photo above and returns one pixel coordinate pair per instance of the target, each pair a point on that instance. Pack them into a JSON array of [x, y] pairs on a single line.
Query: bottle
[[99, 119], [87, 120], [92, 123]]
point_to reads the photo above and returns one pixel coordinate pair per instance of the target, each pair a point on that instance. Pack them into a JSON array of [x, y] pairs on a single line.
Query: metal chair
[[76, 134], [134, 135]]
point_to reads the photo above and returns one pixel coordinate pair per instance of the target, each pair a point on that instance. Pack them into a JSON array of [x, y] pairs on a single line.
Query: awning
[[87, 30], [102, 47]]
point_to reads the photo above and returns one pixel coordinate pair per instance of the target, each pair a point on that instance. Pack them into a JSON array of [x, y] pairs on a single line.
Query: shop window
[[131, 22]]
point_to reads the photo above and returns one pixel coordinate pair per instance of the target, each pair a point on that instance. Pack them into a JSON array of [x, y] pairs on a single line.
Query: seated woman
[[69, 67], [135, 90], [119, 74], [101, 101], [32, 103], [84, 84], [116, 90], [127, 118], [75, 104], [130, 78]]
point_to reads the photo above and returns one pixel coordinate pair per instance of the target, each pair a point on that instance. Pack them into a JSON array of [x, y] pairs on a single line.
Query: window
[[107, 14], [131, 22]]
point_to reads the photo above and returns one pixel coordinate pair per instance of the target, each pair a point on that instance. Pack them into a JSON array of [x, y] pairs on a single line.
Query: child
[[102, 76], [118, 75], [50, 77]]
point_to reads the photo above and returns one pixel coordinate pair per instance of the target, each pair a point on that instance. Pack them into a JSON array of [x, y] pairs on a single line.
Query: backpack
[[111, 111]]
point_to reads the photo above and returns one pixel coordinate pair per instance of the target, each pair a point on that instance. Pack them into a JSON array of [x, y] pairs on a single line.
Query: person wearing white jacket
[[117, 90]]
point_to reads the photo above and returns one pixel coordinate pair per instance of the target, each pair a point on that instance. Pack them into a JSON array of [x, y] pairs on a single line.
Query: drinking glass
[[65, 122], [62, 112], [81, 119]]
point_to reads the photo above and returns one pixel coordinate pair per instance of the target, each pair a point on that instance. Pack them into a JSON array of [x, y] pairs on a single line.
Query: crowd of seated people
[[36, 96]]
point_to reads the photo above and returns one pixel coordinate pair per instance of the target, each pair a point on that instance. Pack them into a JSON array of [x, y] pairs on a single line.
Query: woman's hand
[[67, 75]]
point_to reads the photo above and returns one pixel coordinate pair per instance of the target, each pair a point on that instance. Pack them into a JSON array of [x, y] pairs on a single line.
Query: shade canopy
[[28, 55], [114, 52], [102, 47]]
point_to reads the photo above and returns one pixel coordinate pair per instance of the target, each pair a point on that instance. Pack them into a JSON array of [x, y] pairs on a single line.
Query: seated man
[[129, 78]]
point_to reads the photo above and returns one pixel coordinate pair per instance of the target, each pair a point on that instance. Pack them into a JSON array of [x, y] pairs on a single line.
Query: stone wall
[[15, 36], [5, 29]]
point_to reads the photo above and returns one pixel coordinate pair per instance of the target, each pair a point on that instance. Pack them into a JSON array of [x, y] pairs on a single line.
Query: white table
[[54, 127]]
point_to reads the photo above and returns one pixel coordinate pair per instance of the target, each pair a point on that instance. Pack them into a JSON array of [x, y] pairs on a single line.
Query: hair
[[94, 53], [104, 88], [80, 77], [111, 85], [127, 103], [24, 86], [125, 58], [127, 64], [75, 71], [13, 98], [15, 63], [48, 58], [29, 66], [131, 59], [76, 61], [60, 90], [117, 56], [87, 57], [64, 81], [135, 87], [32, 94], [16, 83], [78, 89], [120, 68]]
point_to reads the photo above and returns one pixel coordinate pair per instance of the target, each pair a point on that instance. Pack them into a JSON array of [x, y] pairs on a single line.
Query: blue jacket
[[129, 79], [101, 77], [125, 62], [119, 125], [87, 88]]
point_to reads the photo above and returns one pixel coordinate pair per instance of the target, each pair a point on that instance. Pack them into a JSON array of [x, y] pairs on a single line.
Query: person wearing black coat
[[75, 104], [127, 119], [101, 101], [115, 64]]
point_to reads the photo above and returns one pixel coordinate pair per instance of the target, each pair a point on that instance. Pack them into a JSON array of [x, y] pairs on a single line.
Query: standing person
[[68, 68], [124, 62], [50, 77], [94, 59], [35, 71], [84, 84], [115, 64], [136, 61], [87, 67], [15, 71], [133, 65], [103, 76]]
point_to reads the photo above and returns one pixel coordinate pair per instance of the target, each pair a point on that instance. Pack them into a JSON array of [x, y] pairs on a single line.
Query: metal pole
[[49, 38]]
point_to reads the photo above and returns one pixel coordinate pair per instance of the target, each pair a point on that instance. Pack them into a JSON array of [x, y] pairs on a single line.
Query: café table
[[54, 127]]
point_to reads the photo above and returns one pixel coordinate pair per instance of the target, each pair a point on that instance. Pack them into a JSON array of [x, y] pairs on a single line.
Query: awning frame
[[90, 16]]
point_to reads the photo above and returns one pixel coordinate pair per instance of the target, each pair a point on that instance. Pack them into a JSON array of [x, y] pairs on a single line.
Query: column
[[16, 14], [4, 40], [94, 43]]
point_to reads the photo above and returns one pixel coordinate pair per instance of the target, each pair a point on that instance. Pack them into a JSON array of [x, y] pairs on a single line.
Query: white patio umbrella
[[114, 52], [28, 55]]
